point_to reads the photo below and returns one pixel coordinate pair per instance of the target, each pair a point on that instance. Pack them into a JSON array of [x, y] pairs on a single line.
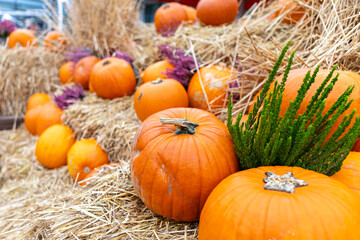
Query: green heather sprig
[[268, 139]]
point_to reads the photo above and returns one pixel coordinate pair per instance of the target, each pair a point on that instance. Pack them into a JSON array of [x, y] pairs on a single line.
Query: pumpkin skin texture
[[169, 16], [113, 78], [31, 118], [296, 12], [53, 145], [216, 13], [174, 174], [155, 71], [54, 41], [49, 114], [66, 73], [22, 36], [83, 69], [240, 208], [213, 79], [191, 13], [36, 100], [155, 96], [350, 172]]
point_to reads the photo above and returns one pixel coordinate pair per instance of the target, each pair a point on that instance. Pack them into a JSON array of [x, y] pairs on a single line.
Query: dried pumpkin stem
[[282, 183], [106, 63], [183, 126]]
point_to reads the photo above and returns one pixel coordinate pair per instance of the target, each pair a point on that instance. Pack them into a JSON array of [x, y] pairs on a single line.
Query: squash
[[22, 36], [169, 16], [83, 69], [66, 72], [155, 96], [155, 71], [179, 155], [36, 100], [49, 114], [31, 119], [191, 13], [256, 204], [96, 170], [294, 11], [215, 12], [54, 41]]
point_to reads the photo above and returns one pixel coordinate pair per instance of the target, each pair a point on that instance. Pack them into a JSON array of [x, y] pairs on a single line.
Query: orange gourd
[[214, 80], [169, 16], [49, 114], [96, 171], [241, 208], [66, 73], [191, 13], [31, 118], [155, 71], [83, 69], [54, 41], [22, 36], [350, 172], [36, 100], [158, 95], [53, 145], [215, 12], [84, 156], [113, 78], [294, 12], [174, 169]]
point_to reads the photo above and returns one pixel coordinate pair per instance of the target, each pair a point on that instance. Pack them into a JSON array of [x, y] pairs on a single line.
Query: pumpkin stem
[[183, 126], [282, 183], [106, 63]]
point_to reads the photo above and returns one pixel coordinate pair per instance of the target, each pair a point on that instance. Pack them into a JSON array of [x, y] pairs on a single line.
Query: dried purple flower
[[6, 27], [121, 55], [75, 54], [69, 95], [183, 63]]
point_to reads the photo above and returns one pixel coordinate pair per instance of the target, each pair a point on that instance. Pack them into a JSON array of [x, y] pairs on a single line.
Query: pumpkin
[[350, 172], [215, 12], [155, 71], [155, 96], [54, 41], [213, 79], [179, 155], [31, 118], [22, 36], [91, 88], [83, 69], [294, 12], [191, 13], [66, 72], [53, 145], [36, 100], [96, 171], [49, 114], [254, 205], [169, 16], [84, 156], [113, 78]]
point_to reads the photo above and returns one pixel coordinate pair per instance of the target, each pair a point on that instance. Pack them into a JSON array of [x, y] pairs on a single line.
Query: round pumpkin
[[54, 41], [49, 114], [96, 171], [66, 72], [22, 36], [294, 12], [113, 78], [31, 119], [84, 156], [158, 95], [215, 12], [244, 207], [36, 100], [53, 145], [169, 16], [214, 84], [350, 172], [155, 71], [191, 13], [174, 169], [83, 69]]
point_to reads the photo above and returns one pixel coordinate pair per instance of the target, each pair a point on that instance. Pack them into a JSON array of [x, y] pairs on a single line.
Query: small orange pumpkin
[[96, 171], [83, 69], [84, 156], [53, 145], [66, 72], [215, 12], [213, 80], [243, 207], [54, 41], [295, 11], [22, 36], [31, 118], [155, 71], [113, 78], [49, 114], [36, 100], [158, 95], [191, 13], [169, 16]]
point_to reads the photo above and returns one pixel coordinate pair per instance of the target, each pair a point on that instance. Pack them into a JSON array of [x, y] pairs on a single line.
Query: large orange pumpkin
[[213, 82], [54, 41], [242, 207], [84, 156], [36, 100], [191, 13], [113, 78], [83, 69], [350, 172], [174, 169], [66, 72], [169, 16], [31, 119], [53, 145], [22, 36], [158, 95], [155, 71], [294, 12], [49, 114], [215, 12]]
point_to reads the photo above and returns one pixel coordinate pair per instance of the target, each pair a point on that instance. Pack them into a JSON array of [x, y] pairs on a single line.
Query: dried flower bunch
[[6, 27], [69, 95]]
